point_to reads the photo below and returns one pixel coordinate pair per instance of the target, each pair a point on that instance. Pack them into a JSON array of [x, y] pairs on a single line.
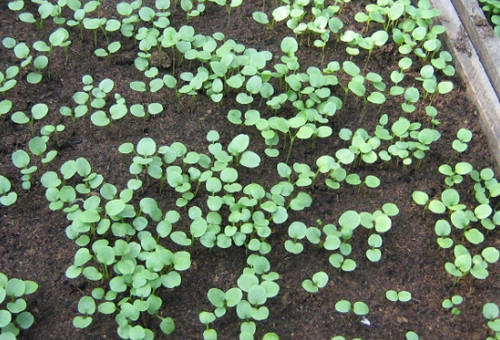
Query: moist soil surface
[[34, 245]]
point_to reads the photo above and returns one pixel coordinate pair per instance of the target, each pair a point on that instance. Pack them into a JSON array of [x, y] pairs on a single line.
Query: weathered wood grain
[[469, 66], [483, 38]]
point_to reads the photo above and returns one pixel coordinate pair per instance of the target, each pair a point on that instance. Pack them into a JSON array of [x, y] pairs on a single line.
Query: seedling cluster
[[130, 247], [14, 314], [472, 224]]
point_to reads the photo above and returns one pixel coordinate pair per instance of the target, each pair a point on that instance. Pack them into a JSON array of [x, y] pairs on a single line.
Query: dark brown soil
[[34, 246]]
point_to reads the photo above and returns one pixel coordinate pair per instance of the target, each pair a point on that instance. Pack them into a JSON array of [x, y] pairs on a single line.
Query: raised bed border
[[476, 52]]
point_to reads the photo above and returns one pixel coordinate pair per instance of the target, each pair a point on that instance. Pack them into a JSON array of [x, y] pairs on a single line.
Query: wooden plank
[[483, 38], [468, 65]]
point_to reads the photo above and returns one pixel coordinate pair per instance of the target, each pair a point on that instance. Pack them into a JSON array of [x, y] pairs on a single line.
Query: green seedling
[[21, 51], [442, 229], [111, 49], [229, 7], [257, 290], [411, 335], [238, 149], [262, 18], [7, 197], [411, 96], [58, 38], [45, 10], [49, 130], [21, 160], [459, 145], [38, 146], [39, 63], [491, 313], [7, 81], [297, 231], [116, 111], [421, 198], [340, 262], [222, 300], [94, 24], [455, 175], [359, 308], [38, 112], [5, 106], [395, 296], [452, 304], [13, 314], [476, 265], [130, 18], [319, 280], [87, 307], [374, 254]]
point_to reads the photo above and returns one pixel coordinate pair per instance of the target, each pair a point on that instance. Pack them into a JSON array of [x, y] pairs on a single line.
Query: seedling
[[7, 81], [491, 313], [394, 296], [14, 316], [297, 231], [411, 335], [359, 308], [222, 300], [7, 197], [452, 304], [435, 206], [38, 112], [238, 148], [475, 265], [58, 38], [111, 49], [374, 254], [39, 63], [464, 136], [319, 280], [21, 160], [443, 229]]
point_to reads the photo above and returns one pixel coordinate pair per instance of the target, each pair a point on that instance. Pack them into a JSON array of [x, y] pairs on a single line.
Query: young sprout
[[491, 312], [238, 148], [111, 49], [442, 229], [207, 318], [421, 198], [38, 112], [21, 160], [87, 307], [262, 18], [359, 308], [475, 265], [58, 38], [221, 300], [395, 296], [93, 24], [452, 304], [374, 254], [411, 96], [7, 197], [15, 317], [40, 63], [319, 280], [464, 136], [411, 335], [7, 81], [297, 231]]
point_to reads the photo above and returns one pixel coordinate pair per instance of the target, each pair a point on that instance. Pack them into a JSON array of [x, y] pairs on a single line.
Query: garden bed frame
[[476, 52]]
